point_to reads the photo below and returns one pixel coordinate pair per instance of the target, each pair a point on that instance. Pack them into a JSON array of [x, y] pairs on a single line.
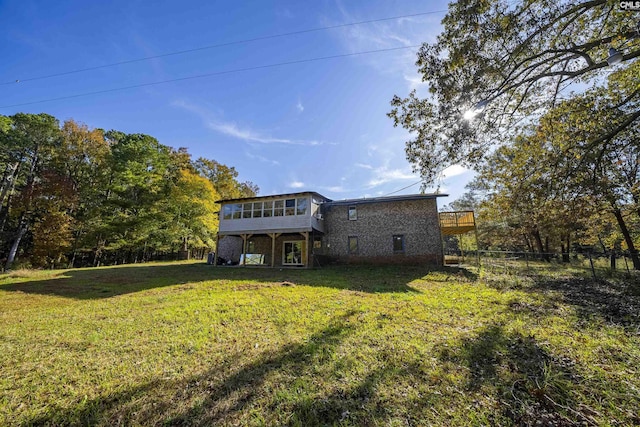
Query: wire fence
[[514, 262]]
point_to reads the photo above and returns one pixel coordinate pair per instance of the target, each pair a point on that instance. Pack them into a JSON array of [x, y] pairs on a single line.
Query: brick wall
[[230, 247], [375, 226]]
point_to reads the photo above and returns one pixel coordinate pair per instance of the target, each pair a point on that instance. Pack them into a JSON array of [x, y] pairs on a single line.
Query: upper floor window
[[301, 208], [290, 207], [236, 211], [266, 209], [353, 213], [227, 211], [246, 210], [278, 208], [257, 209]]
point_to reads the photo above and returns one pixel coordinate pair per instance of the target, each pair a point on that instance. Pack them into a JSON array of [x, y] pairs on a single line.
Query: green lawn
[[190, 344]]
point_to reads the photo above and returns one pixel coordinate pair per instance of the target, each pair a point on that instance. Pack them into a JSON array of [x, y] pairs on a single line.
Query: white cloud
[[335, 189], [296, 184], [414, 81], [454, 170], [364, 166], [233, 130], [299, 106], [382, 175]]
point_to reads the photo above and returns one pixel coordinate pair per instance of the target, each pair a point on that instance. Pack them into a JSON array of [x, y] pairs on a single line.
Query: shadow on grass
[[107, 282], [615, 300], [531, 386], [237, 396]]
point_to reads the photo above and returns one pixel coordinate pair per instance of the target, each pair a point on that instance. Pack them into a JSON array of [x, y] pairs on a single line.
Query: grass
[[189, 344]]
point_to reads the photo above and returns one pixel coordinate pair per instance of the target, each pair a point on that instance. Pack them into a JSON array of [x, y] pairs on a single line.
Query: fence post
[[613, 260]]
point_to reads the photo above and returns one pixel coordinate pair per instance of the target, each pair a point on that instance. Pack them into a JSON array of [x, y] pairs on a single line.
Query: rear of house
[[307, 229]]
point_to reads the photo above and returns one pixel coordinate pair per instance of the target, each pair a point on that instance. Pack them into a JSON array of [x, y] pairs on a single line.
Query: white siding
[[266, 224], [273, 223]]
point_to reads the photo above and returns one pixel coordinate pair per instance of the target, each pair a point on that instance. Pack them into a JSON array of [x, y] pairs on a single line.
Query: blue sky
[[318, 125]]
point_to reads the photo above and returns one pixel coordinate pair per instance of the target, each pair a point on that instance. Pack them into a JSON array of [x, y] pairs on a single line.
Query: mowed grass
[[190, 344]]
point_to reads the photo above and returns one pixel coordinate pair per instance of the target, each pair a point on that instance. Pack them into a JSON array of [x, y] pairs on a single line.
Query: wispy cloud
[[454, 170], [410, 31], [364, 166], [233, 130], [336, 189], [296, 184], [299, 106], [383, 175], [261, 158]]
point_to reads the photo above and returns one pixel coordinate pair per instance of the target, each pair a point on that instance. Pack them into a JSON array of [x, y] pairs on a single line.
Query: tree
[[553, 180], [192, 202], [31, 139], [506, 64], [84, 160], [224, 180]]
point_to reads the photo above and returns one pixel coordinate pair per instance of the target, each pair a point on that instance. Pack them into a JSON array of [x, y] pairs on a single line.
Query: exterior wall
[[375, 226], [230, 247], [273, 224]]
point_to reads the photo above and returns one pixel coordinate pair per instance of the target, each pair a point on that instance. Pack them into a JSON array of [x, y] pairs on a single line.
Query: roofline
[[383, 199], [273, 196]]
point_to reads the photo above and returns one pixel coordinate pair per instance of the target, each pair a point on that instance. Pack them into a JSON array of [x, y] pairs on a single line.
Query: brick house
[[307, 229]]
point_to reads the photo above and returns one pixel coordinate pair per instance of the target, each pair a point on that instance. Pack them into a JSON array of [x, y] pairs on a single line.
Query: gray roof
[[385, 199], [274, 196], [341, 202]]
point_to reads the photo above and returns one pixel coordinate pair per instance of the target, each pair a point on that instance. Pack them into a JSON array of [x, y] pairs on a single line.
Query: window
[[278, 208], [268, 209], [353, 213], [246, 210], [353, 245], [283, 207], [227, 211], [237, 211], [251, 247], [290, 207], [257, 209], [317, 242], [302, 206], [398, 244]]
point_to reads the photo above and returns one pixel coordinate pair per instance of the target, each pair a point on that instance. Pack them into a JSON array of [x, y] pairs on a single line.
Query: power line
[[403, 188], [218, 73], [214, 46]]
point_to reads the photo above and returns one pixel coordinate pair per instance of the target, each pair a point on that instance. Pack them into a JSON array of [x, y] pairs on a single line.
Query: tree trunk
[[538, 239], [22, 229], [566, 254], [627, 238], [8, 181], [527, 242]]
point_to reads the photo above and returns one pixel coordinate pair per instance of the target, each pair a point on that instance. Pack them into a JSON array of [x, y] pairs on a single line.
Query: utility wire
[[214, 46], [403, 188], [218, 73]]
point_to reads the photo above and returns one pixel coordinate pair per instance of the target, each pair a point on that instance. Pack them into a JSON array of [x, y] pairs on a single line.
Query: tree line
[[558, 169], [75, 196]]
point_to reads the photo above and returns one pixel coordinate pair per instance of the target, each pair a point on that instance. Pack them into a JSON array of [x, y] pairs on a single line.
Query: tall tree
[[499, 65], [32, 138], [224, 179]]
